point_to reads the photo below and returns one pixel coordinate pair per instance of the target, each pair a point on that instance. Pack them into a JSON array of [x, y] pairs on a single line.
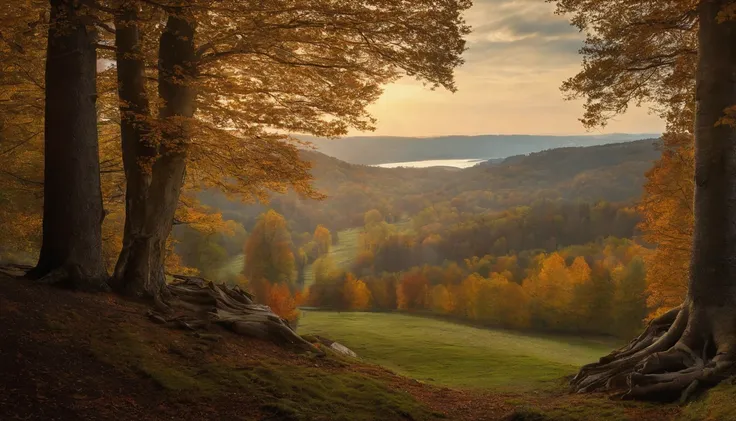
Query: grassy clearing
[[347, 248], [233, 267], [342, 254], [524, 371], [450, 354]]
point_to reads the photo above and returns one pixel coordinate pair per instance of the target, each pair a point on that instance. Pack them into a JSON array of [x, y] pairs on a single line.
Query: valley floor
[[72, 356]]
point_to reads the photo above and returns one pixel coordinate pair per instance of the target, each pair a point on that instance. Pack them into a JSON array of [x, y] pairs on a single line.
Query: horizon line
[[481, 135]]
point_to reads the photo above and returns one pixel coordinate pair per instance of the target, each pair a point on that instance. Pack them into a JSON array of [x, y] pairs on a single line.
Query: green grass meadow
[[450, 354], [342, 254], [347, 248]]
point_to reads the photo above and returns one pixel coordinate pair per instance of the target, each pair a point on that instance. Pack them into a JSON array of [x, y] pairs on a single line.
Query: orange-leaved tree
[[356, 294], [667, 211]]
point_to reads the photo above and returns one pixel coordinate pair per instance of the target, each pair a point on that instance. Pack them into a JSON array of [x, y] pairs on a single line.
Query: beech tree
[[154, 162], [71, 248], [23, 47], [233, 77], [692, 345]]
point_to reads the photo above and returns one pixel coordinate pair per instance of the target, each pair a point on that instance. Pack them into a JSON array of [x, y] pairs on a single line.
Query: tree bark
[[154, 158], [155, 169], [71, 250], [138, 144], [695, 345]]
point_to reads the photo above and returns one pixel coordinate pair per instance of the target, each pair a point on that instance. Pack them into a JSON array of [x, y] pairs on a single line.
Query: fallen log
[[195, 303]]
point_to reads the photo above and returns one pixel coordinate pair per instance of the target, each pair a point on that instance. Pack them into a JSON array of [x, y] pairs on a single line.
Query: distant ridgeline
[[612, 173], [372, 150]]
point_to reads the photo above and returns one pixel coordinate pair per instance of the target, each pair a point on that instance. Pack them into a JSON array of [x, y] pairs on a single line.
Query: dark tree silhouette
[[71, 250]]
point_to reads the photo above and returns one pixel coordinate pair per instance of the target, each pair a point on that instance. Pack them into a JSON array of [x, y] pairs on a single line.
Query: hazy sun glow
[[518, 55]]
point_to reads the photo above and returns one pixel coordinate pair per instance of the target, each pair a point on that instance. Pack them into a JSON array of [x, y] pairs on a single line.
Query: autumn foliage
[[646, 52], [479, 247], [268, 250], [283, 302], [596, 288], [667, 211], [356, 294]]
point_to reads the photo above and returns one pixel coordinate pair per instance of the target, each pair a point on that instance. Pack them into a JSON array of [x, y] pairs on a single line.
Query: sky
[[518, 55]]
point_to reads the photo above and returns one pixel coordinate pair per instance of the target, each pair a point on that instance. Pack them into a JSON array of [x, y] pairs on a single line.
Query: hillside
[[67, 356], [371, 150], [508, 360], [613, 173], [73, 356]]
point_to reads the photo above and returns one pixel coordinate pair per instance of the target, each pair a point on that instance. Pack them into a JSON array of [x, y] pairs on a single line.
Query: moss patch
[[304, 393], [128, 351], [308, 388], [717, 404]]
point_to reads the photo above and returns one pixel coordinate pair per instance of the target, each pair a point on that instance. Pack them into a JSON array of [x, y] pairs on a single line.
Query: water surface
[[457, 163]]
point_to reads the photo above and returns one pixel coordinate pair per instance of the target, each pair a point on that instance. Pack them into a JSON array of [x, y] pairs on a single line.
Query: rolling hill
[[372, 150], [611, 172]]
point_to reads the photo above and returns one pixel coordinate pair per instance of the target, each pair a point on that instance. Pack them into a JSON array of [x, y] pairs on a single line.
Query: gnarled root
[[71, 276], [678, 354], [15, 270], [194, 303]]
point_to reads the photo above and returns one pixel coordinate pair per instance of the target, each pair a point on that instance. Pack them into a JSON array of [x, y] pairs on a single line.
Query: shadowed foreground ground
[[68, 356]]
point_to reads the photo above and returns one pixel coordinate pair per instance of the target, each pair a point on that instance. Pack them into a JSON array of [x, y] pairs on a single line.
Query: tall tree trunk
[[154, 169], [71, 250], [137, 142], [155, 176], [694, 345], [713, 266]]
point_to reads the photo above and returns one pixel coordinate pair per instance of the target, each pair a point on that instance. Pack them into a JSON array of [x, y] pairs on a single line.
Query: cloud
[[519, 53], [520, 33]]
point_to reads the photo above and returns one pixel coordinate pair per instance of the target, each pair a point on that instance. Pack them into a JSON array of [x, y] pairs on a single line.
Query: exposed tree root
[[679, 353], [69, 276], [195, 303], [15, 270]]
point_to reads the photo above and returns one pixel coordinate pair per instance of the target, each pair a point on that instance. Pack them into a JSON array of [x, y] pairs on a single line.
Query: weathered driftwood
[[195, 303]]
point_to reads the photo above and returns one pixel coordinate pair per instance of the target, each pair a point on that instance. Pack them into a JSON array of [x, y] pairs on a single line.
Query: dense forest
[[431, 239]]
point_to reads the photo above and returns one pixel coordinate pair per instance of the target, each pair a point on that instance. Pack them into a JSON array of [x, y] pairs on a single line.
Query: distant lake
[[457, 163]]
